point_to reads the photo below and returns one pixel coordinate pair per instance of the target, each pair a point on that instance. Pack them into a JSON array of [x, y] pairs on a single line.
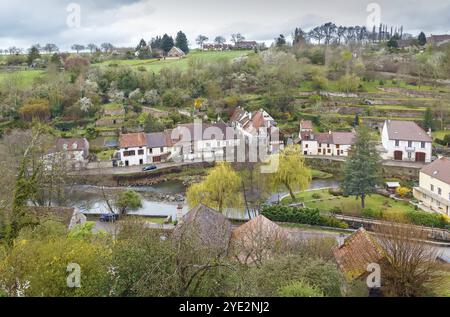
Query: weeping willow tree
[[292, 172], [221, 189]]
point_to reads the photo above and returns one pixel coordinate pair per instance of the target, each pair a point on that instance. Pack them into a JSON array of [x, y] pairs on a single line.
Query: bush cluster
[[302, 216]]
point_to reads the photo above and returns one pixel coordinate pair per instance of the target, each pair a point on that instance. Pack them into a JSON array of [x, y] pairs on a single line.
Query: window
[[432, 187], [161, 149], [320, 150], [439, 191], [141, 152], [129, 153], [409, 143], [150, 151], [397, 143], [306, 146], [422, 145], [409, 155], [329, 150]]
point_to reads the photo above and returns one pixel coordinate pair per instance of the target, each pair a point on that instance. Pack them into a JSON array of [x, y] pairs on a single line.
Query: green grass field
[[24, 78], [156, 66], [349, 205]]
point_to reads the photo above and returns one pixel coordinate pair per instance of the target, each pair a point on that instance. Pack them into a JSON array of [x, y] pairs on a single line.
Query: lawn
[[155, 65], [25, 78], [324, 201], [440, 134]]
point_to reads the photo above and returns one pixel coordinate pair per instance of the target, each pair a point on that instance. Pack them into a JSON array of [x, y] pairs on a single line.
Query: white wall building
[[405, 141], [133, 149], [327, 144], [72, 152], [433, 192]]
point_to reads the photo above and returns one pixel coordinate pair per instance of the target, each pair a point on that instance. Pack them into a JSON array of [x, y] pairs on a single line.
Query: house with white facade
[[405, 141], [327, 144], [187, 142], [433, 192], [73, 152], [133, 149], [257, 127]]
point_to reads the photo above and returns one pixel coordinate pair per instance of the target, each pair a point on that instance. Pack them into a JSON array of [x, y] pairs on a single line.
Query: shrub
[[317, 196], [301, 215], [403, 191], [300, 289], [370, 213], [335, 191], [422, 218]]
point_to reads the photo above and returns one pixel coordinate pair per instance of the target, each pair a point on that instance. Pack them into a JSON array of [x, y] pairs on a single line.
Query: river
[[89, 199]]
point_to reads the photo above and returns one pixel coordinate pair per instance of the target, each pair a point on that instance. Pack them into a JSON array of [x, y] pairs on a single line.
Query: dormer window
[[74, 146]]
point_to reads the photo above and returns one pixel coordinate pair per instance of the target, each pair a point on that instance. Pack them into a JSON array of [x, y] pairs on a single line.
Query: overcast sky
[[125, 22]]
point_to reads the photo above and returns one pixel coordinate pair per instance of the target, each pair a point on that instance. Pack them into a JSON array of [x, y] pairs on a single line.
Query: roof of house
[[439, 38], [261, 224], [132, 140], [358, 250], [343, 138], [159, 139], [406, 131], [306, 124], [208, 225], [175, 50], [202, 131], [72, 144], [338, 138], [439, 169]]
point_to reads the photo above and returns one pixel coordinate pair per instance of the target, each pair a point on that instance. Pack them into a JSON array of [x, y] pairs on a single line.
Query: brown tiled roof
[[358, 250], [325, 138], [439, 38], [439, 169], [306, 124], [406, 131], [132, 140], [343, 138]]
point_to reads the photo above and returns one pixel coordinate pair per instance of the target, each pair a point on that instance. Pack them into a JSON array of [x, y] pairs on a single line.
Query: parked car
[[109, 217], [150, 168]]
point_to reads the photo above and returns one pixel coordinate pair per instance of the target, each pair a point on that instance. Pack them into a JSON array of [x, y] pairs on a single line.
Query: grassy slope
[[155, 65]]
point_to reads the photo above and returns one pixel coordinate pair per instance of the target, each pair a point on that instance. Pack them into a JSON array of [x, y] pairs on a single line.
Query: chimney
[[180, 213], [329, 132], [429, 132]]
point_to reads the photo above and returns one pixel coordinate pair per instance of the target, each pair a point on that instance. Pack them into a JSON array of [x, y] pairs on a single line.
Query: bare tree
[[411, 267]]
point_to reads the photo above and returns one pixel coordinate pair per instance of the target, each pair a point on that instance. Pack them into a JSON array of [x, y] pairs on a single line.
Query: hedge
[[301, 215]]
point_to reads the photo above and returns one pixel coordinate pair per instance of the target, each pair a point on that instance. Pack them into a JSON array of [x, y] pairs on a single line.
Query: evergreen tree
[[143, 50], [422, 39], [33, 54], [428, 121], [181, 42], [280, 41], [363, 168], [167, 43]]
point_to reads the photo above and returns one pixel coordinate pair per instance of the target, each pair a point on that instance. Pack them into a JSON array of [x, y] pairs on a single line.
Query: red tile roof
[[132, 140], [306, 124], [439, 169], [358, 250]]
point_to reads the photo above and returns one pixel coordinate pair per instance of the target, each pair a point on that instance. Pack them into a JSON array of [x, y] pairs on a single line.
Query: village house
[[433, 192], [217, 47], [73, 152], [246, 45], [133, 148], [327, 144], [175, 52], [186, 142], [306, 126], [257, 127], [201, 141], [405, 141], [159, 146]]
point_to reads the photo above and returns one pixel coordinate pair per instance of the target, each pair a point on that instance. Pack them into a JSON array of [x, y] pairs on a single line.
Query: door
[[420, 157], [141, 162], [398, 155], [157, 159]]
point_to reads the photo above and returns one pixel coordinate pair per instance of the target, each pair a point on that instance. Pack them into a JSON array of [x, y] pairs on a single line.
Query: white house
[[433, 192], [159, 146], [405, 141], [327, 144], [257, 127], [201, 141], [133, 149], [73, 152], [187, 142]]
